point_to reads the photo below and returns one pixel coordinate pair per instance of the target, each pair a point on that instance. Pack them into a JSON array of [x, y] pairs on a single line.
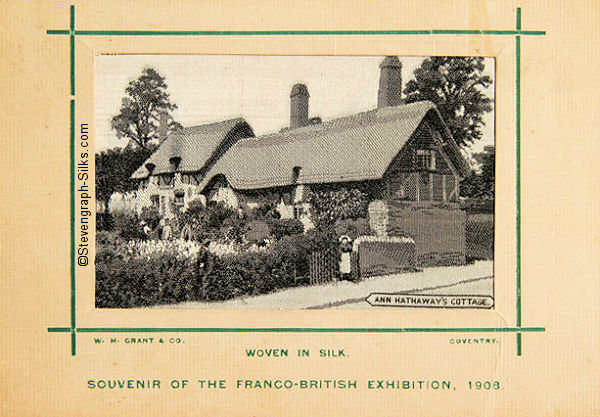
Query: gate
[[323, 267]]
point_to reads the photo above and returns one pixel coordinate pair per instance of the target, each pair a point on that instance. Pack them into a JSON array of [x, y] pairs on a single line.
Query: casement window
[[193, 179], [298, 211], [426, 159], [155, 199], [166, 180], [179, 198], [163, 206]]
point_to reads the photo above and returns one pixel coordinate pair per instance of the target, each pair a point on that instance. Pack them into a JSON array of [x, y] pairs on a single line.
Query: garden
[[212, 253], [215, 253]]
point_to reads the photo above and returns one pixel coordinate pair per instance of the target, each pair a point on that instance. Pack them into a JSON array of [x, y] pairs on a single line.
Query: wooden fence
[[323, 267]]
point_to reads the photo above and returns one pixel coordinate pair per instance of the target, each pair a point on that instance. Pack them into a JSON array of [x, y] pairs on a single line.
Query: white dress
[[345, 263]]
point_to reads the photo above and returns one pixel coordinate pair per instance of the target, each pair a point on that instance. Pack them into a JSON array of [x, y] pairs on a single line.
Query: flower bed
[[144, 273]]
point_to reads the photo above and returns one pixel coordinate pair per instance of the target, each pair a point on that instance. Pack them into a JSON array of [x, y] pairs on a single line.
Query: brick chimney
[[390, 82], [163, 126], [299, 106]]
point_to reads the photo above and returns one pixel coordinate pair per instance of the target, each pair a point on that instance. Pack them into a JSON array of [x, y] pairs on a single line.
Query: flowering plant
[[147, 249], [382, 239]]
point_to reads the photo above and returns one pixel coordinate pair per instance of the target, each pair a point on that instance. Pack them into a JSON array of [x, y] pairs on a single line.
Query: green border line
[[72, 46], [72, 216], [291, 32], [72, 201], [518, 185], [296, 330], [72, 32]]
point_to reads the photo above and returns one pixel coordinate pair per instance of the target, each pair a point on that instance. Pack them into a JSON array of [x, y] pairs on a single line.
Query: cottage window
[[144, 182], [193, 179], [426, 159], [298, 211], [163, 205], [179, 197], [155, 201], [166, 180]]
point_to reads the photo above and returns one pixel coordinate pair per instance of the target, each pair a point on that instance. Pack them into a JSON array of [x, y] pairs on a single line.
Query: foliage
[[216, 221], [479, 236], [455, 85], [285, 227], [264, 211], [219, 223], [104, 221], [481, 185], [178, 249], [151, 216], [114, 168], [141, 282], [246, 274], [138, 118], [353, 228], [127, 226], [144, 273], [257, 231], [329, 205]]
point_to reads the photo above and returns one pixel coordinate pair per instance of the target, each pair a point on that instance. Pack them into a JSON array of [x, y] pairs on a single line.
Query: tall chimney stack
[[163, 126], [390, 82], [299, 106]]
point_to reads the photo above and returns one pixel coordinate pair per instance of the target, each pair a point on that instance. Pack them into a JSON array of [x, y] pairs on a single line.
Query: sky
[[211, 88]]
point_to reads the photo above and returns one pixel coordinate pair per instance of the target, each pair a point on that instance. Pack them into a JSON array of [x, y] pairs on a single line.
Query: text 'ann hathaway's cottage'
[[402, 154]]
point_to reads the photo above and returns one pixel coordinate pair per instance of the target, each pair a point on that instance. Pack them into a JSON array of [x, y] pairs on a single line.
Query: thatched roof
[[195, 146], [354, 148]]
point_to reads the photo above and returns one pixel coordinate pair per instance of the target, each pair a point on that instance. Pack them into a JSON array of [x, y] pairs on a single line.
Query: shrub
[[216, 221], [257, 231], [480, 236], [128, 226], [138, 282], [322, 239], [104, 221], [329, 205], [151, 216], [285, 227], [353, 228], [247, 274], [143, 273]]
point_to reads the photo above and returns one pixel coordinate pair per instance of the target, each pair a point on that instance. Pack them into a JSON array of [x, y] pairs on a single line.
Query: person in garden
[[146, 230], [345, 249], [165, 230]]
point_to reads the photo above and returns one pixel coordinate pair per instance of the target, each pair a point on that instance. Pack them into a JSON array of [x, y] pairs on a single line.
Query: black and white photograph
[[294, 182]]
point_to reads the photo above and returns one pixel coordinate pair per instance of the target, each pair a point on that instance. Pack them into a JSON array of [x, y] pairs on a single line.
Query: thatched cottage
[[403, 153]]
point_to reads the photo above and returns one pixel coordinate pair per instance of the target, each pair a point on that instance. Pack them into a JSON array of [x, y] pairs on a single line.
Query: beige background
[[558, 373]]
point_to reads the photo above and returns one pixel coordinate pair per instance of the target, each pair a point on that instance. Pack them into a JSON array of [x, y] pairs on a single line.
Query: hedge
[[126, 281], [480, 237]]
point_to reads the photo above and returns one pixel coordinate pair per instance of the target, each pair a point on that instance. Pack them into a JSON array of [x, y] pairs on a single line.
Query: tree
[[481, 185], [455, 85], [114, 168], [139, 116]]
